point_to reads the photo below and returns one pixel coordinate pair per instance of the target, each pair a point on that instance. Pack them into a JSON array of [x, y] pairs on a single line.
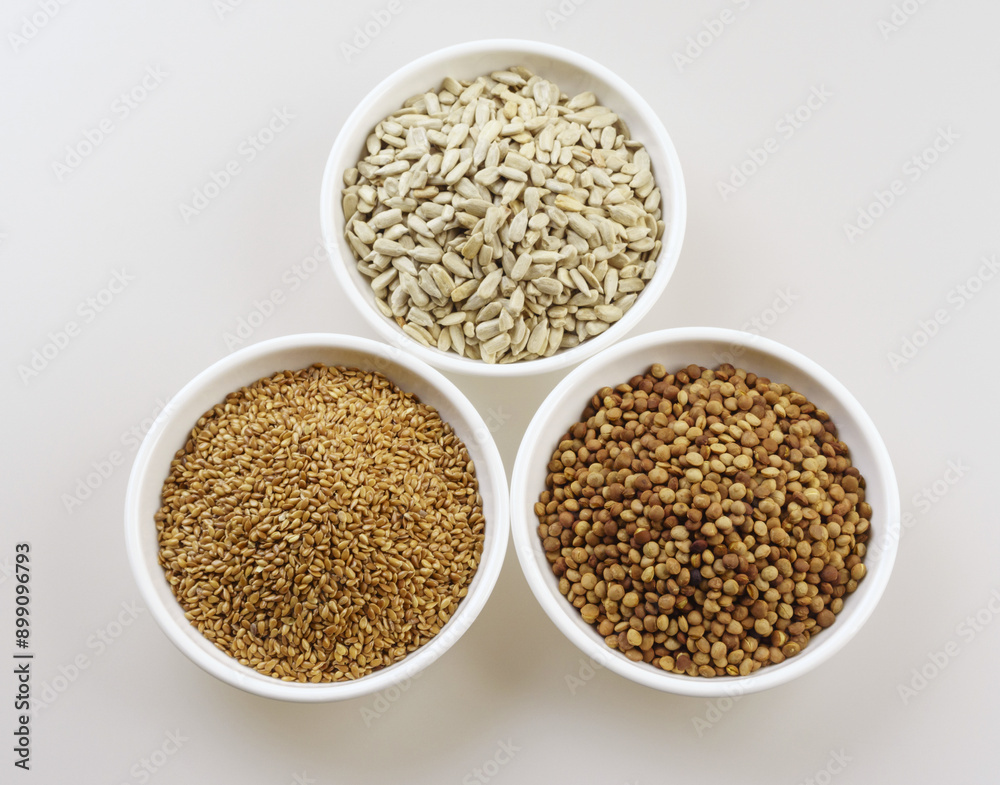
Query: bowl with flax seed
[[316, 517]]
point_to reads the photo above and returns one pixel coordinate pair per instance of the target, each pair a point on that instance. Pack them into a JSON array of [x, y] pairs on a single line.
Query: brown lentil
[[320, 524], [715, 502]]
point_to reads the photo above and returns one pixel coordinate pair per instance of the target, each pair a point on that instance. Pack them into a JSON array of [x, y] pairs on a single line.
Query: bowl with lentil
[[705, 511], [316, 517], [503, 208]]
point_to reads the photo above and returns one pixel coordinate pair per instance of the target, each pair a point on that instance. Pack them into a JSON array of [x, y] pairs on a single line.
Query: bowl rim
[[185, 638], [523, 527], [671, 184]]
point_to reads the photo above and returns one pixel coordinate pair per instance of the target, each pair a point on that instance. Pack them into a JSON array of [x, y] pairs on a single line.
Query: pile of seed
[[501, 219], [320, 524], [708, 522]]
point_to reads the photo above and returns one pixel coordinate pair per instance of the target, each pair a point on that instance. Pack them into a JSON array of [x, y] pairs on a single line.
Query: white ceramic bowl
[[170, 431], [708, 347], [573, 73]]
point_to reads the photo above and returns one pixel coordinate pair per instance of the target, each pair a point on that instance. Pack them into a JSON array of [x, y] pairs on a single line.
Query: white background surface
[[783, 231]]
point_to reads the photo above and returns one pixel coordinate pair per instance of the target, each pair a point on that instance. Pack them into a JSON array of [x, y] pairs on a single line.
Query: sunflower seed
[[497, 344], [385, 219], [548, 286], [500, 219], [608, 313]]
